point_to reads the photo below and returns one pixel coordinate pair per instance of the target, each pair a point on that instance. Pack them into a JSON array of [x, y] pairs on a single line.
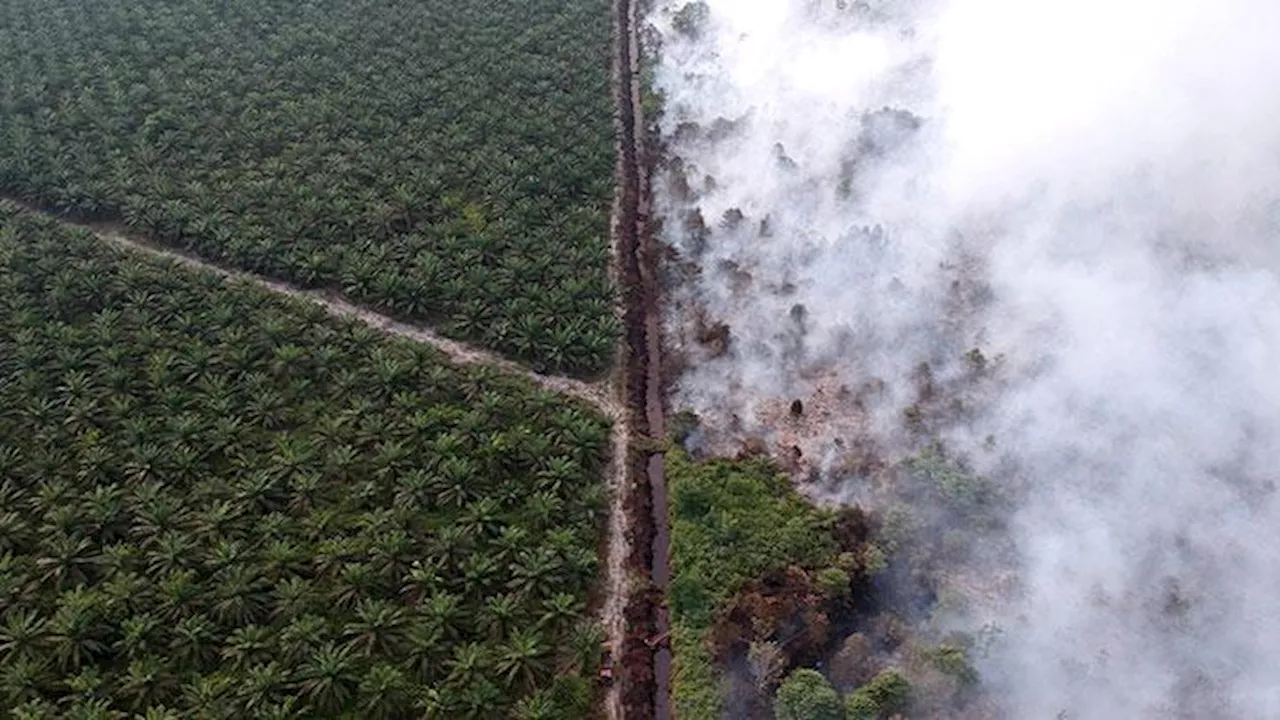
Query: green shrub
[[731, 522], [954, 661], [806, 695], [962, 490], [887, 692], [695, 685], [834, 583]]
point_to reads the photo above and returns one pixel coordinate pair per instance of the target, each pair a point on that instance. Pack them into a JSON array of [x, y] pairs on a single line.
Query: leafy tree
[[806, 695], [954, 661], [885, 693], [834, 582]]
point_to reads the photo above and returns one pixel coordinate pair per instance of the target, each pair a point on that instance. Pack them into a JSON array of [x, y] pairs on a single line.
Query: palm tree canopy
[[181, 540]]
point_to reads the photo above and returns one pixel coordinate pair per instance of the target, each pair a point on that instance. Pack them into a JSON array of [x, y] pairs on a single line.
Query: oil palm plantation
[[440, 161], [194, 534]]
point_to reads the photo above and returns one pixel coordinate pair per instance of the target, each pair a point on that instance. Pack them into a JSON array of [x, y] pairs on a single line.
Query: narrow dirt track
[[645, 675], [647, 260], [618, 591], [598, 395]]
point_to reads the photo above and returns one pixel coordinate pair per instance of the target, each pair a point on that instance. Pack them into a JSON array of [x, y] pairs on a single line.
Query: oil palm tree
[[240, 596], [249, 645], [209, 696], [301, 635], [501, 614], [479, 698], [378, 628], [24, 680], [535, 572], [75, 633], [263, 687], [538, 706], [147, 681], [140, 637], [523, 659], [327, 679], [23, 635], [425, 650], [383, 692], [560, 609], [193, 643]]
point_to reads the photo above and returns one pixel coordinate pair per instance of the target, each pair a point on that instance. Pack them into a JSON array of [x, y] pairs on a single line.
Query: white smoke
[[1111, 169]]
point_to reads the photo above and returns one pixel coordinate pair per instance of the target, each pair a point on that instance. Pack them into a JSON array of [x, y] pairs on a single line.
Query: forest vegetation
[[731, 522], [785, 609], [449, 162], [216, 502]]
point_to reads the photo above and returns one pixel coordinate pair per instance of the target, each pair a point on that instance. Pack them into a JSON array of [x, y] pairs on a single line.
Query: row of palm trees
[[218, 503], [447, 162]]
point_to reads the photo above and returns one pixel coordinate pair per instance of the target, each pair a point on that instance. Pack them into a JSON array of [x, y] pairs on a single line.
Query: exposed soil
[[645, 674]]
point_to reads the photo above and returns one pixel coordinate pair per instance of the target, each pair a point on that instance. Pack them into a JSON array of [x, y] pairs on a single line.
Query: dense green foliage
[[697, 686], [443, 161], [737, 523], [883, 694], [227, 504], [731, 521], [806, 695]]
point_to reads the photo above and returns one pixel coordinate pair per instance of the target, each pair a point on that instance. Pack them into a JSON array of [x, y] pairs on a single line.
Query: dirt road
[[646, 668]]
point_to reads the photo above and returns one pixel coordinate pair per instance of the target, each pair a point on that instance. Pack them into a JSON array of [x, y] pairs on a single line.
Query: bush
[[692, 19], [963, 491], [885, 693], [696, 686], [954, 661], [834, 583], [732, 522], [806, 695]]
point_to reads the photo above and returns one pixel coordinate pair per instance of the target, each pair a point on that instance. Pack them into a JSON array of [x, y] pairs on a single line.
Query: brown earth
[[645, 668]]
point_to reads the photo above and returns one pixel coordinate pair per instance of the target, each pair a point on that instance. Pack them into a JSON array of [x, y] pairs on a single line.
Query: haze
[[1106, 174]]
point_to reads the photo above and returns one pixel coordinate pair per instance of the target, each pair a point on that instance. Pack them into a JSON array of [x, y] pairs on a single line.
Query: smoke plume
[[1084, 192]]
